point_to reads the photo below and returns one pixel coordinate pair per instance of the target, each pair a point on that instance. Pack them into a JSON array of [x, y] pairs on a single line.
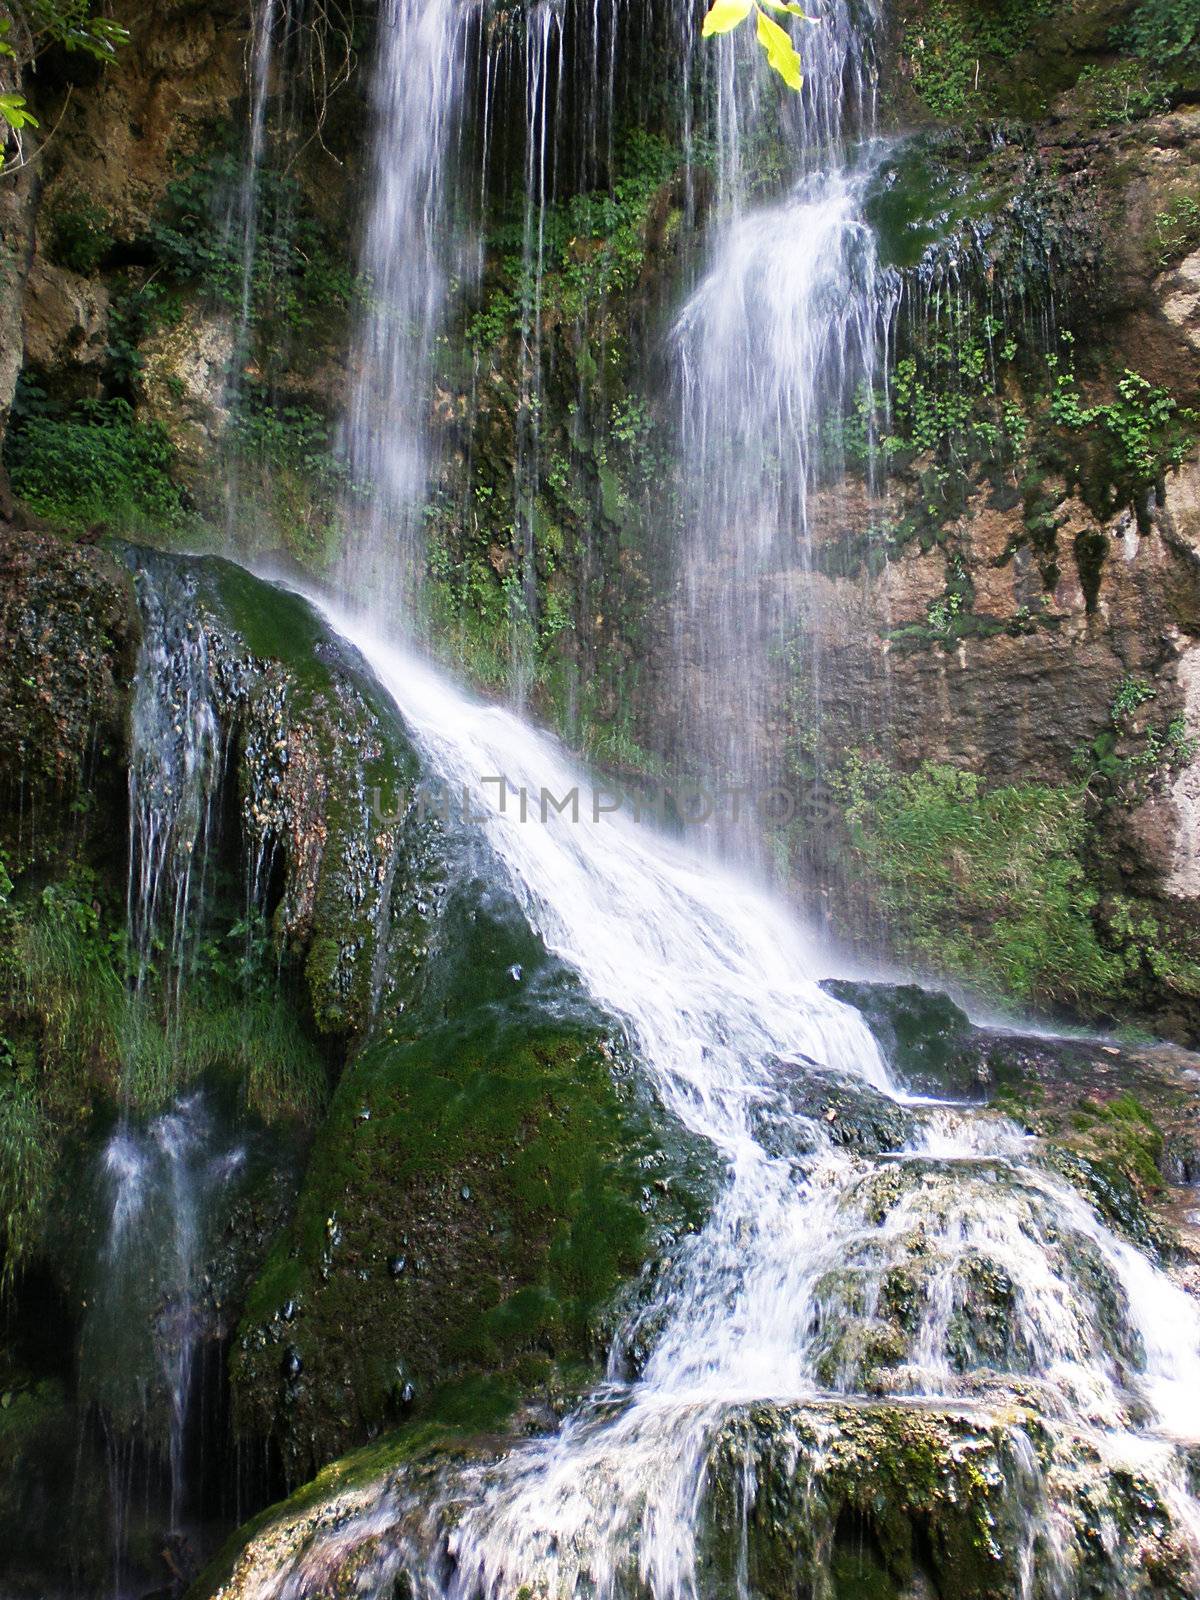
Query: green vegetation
[[40, 23], [299, 277], [98, 461], [593, 248], [475, 1198], [26, 1169], [1165, 33], [982, 883], [524, 544], [1003, 887], [957, 50], [1121, 92], [1177, 230], [1139, 435], [78, 1028], [975, 408], [94, 462], [1124, 761], [80, 237], [289, 481]]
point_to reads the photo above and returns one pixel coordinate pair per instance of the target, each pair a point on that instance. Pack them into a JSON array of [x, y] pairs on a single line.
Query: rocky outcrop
[[68, 633]]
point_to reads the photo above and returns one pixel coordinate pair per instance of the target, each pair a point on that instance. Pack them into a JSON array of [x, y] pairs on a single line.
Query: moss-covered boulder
[[884, 1501], [469, 1212], [488, 1177], [926, 1040]]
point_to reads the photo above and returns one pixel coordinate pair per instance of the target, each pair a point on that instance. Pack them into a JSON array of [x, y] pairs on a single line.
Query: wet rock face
[[1180, 294], [1120, 1121], [926, 1039], [184, 385], [875, 1499], [68, 638], [475, 1200], [891, 1501]]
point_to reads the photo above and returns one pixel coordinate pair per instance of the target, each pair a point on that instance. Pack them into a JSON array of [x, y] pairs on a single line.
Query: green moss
[[474, 1199], [875, 1495], [81, 234], [925, 1038], [26, 1168], [985, 884], [369, 1465], [537, 559]]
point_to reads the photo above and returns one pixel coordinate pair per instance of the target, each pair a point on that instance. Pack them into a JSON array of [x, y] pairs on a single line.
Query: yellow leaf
[[781, 52], [723, 15], [791, 8]]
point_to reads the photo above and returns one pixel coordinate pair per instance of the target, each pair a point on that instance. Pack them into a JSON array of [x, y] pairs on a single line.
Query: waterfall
[[158, 1186], [779, 334], [715, 984], [410, 252], [782, 330], [243, 222], [716, 987], [175, 772]]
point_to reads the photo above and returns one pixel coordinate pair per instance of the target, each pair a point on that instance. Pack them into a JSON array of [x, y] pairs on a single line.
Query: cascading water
[[409, 256], [244, 213], [783, 328], [715, 985], [157, 1185], [785, 325], [175, 773]]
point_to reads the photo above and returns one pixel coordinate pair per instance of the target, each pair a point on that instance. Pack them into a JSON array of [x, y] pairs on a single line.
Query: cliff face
[[1006, 585]]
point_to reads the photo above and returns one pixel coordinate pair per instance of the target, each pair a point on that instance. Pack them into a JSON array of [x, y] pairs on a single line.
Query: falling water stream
[[159, 1183], [408, 257]]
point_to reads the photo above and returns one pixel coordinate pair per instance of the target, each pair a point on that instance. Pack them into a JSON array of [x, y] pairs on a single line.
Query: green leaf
[[781, 52], [12, 110], [724, 15], [6, 49]]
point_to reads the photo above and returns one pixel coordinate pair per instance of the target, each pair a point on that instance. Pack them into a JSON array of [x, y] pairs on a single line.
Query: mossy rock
[[926, 1040], [893, 1500], [874, 1500], [324, 772], [850, 1112], [41, 1454], [474, 1202]]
